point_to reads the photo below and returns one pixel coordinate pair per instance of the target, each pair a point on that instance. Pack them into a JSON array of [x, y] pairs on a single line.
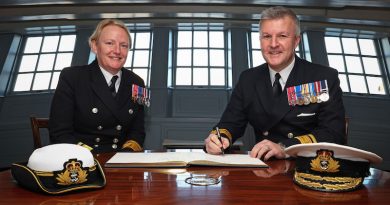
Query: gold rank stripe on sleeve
[[224, 132], [132, 145], [85, 146], [304, 139]]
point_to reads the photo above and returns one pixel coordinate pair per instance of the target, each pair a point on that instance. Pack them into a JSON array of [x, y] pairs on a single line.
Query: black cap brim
[[27, 178]]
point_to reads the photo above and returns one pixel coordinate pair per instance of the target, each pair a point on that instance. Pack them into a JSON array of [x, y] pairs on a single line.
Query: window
[[139, 57], [255, 56], [201, 56], [358, 64], [42, 60]]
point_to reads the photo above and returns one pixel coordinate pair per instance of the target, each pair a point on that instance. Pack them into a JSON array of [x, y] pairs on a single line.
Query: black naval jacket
[[83, 110], [274, 119]]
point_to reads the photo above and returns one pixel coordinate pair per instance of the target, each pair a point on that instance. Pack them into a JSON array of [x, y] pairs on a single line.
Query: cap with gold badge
[[58, 169], [331, 167]]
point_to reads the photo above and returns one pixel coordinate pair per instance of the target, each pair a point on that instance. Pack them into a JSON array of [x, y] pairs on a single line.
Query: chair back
[[346, 129], [36, 124]]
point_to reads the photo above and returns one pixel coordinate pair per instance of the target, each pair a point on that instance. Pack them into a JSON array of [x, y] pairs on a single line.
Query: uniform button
[[118, 127], [290, 135], [99, 127], [96, 145], [265, 133], [131, 111], [97, 139], [114, 146], [95, 110], [115, 140]]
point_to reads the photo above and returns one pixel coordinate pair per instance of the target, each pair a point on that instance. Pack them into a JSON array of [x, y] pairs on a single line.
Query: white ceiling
[[17, 15]]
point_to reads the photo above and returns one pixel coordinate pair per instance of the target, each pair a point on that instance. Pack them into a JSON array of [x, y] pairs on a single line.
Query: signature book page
[[181, 159]]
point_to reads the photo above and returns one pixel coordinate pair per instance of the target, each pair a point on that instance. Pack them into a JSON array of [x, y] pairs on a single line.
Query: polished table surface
[[271, 185]]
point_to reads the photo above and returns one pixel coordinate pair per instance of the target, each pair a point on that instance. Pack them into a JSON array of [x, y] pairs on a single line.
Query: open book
[[181, 159]]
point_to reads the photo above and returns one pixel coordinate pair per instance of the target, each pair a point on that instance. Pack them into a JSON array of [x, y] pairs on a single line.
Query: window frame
[[39, 53], [379, 56], [133, 32], [194, 27]]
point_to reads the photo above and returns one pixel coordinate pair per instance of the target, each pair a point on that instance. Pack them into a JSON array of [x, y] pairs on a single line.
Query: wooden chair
[[36, 124], [346, 129]]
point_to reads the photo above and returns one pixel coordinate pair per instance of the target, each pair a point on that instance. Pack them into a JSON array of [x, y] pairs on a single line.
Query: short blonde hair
[[106, 22]]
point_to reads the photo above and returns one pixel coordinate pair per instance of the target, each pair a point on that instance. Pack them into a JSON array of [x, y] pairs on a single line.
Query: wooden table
[[271, 185]]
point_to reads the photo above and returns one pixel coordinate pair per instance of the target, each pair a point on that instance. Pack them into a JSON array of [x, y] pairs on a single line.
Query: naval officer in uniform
[[101, 105], [287, 100]]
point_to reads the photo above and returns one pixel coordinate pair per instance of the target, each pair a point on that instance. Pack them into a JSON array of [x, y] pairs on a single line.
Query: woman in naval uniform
[[101, 105]]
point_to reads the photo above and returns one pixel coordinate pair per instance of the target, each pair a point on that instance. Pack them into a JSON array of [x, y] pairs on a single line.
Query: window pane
[[375, 85], [54, 80], [350, 46], [63, 60], [217, 76], [332, 45], [46, 62], [353, 64], [141, 58], [41, 81], [343, 83], [67, 43], [371, 65], [141, 72], [255, 40], [23, 82], [216, 39], [200, 39], [183, 76], [33, 45], [91, 57], [367, 47], [200, 57], [143, 40], [337, 62], [129, 59], [184, 57], [201, 76], [358, 85], [184, 39], [217, 58], [28, 63], [257, 58], [50, 43]]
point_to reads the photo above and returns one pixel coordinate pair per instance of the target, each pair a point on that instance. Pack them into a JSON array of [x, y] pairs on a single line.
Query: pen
[[220, 139]]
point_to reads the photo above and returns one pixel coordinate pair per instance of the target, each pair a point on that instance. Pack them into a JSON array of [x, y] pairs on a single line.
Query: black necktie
[[112, 85], [276, 87]]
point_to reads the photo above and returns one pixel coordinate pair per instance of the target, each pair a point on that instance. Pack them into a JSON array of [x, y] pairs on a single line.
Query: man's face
[[278, 42], [111, 48]]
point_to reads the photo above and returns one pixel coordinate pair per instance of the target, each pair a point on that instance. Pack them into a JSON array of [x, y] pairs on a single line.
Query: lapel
[[263, 88], [124, 91], [100, 88]]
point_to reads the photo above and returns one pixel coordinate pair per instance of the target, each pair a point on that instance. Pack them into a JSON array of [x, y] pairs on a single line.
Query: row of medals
[[140, 95], [315, 92]]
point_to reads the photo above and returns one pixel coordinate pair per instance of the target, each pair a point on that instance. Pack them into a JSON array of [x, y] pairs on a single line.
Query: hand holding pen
[[220, 139]]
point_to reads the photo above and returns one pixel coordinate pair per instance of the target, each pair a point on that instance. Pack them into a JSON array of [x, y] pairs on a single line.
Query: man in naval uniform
[[287, 100], [101, 105]]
